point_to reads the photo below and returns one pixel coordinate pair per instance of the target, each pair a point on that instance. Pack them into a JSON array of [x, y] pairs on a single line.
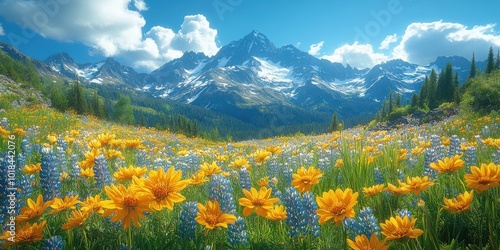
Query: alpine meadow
[[117, 132]]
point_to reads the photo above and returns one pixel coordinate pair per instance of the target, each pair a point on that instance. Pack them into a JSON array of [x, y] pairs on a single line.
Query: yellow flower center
[[337, 208], [212, 219], [160, 191], [258, 202], [130, 202], [484, 180], [400, 233], [306, 179]]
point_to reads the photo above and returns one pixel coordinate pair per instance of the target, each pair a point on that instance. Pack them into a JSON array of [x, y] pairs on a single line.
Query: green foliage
[[472, 72], [483, 94], [22, 72], [432, 90], [490, 65], [57, 95], [123, 111], [77, 99], [334, 124], [6, 100], [399, 112]]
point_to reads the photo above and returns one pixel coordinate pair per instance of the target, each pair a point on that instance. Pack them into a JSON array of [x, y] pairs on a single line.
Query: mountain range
[[258, 83]]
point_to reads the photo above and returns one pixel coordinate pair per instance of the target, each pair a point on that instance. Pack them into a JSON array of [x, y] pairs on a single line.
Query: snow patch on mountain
[[272, 72]]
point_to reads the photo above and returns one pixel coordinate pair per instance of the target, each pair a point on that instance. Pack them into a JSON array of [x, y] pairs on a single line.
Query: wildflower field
[[72, 182]]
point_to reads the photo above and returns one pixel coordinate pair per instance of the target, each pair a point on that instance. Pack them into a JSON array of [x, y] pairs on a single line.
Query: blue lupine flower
[[4, 200], [378, 176], [301, 213], [238, 232], [74, 169], [496, 157], [26, 146], [101, 172], [430, 157], [287, 174], [61, 159], [273, 170], [221, 191], [404, 212], [53, 243], [454, 146], [21, 162], [188, 223], [310, 207], [142, 158], [49, 176], [365, 223], [245, 179], [470, 158], [295, 212], [62, 143], [26, 188]]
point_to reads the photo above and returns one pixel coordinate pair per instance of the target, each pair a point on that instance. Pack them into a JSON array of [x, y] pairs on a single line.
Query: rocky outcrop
[[418, 118], [14, 94]]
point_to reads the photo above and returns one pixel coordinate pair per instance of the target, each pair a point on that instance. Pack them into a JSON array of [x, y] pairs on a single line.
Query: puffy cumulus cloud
[[422, 43], [112, 28], [90, 22], [357, 55], [196, 35], [315, 48], [388, 41], [2, 32]]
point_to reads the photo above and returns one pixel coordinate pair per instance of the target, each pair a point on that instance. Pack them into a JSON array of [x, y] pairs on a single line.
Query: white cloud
[[315, 48], [112, 28], [357, 55], [388, 41], [422, 43], [2, 32], [140, 5]]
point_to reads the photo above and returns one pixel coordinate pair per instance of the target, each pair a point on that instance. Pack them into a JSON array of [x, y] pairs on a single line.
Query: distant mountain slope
[[256, 82]]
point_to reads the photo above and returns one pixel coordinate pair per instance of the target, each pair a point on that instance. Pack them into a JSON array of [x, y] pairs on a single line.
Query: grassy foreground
[[76, 182]]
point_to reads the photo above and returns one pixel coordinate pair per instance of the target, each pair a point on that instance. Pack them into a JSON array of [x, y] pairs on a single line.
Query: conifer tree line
[[437, 88]]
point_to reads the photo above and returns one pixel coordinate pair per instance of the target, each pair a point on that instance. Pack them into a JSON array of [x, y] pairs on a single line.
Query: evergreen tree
[[456, 93], [334, 124], [431, 94], [422, 100], [446, 88], [490, 66], [391, 102], [472, 72], [77, 99], [97, 106], [123, 111], [384, 110], [58, 98], [143, 120], [398, 100], [414, 101], [497, 63]]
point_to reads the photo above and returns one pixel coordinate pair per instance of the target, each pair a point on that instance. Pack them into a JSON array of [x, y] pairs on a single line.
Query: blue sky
[[146, 34]]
